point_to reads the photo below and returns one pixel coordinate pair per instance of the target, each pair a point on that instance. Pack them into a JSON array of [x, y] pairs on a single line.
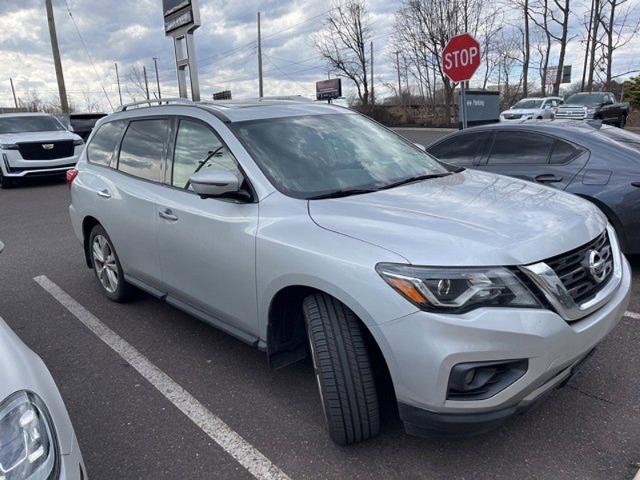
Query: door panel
[[207, 253]]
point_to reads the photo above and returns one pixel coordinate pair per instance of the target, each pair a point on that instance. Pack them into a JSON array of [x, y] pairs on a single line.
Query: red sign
[[461, 58]]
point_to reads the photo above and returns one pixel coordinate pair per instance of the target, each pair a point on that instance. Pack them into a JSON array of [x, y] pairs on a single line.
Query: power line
[[84, 45]]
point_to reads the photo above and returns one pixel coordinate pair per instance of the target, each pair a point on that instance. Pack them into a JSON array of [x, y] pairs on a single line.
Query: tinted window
[[143, 149], [104, 142], [460, 149], [563, 152], [198, 148], [520, 148], [317, 155], [26, 123]]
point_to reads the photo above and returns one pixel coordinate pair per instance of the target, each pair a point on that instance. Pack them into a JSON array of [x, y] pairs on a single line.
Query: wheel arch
[[287, 337], [88, 223]]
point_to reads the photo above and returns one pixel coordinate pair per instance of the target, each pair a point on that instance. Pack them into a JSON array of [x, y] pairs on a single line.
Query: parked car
[[37, 440], [35, 144], [83, 123], [290, 224], [597, 106], [531, 108], [597, 162]]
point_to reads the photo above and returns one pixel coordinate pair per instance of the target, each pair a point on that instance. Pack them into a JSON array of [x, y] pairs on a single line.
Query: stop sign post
[[460, 60]]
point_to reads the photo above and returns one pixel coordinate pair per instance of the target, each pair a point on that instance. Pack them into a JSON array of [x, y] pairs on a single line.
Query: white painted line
[[637, 477], [236, 446], [633, 315]]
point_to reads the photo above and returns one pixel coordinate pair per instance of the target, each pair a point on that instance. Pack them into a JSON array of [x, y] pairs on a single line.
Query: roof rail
[[154, 101]]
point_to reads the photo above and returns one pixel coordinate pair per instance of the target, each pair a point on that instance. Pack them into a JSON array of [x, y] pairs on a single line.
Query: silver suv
[[304, 228], [35, 144]]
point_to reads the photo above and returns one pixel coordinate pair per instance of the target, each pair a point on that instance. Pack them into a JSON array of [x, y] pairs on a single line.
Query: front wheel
[[623, 121], [343, 370], [5, 182], [106, 266]]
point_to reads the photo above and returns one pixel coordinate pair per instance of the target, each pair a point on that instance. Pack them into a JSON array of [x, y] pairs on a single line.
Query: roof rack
[[154, 101]]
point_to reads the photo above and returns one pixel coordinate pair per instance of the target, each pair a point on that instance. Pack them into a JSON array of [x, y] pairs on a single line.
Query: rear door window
[[102, 148], [461, 149], [143, 149], [563, 152], [520, 148]]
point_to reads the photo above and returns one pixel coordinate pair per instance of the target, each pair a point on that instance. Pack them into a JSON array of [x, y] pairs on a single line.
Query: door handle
[[168, 215], [635, 184], [548, 178], [104, 193]]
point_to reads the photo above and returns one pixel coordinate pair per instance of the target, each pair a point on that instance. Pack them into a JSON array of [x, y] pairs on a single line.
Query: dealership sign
[[328, 89], [552, 73], [179, 14], [461, 58]]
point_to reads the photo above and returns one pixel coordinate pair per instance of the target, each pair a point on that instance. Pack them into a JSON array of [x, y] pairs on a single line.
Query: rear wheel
[[106, 266], [623, 121], [343, 370]]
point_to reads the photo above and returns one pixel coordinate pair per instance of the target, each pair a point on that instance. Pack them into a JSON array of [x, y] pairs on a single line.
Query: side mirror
[[421, 147], [214, 183]]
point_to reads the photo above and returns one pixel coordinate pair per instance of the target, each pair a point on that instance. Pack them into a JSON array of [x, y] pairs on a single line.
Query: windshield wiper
[[343, 193], [416, 179]]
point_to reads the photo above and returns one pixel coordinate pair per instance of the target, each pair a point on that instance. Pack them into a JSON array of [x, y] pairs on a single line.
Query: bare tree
[[562, 37], [342, 43], [136, 80], [619, 29]]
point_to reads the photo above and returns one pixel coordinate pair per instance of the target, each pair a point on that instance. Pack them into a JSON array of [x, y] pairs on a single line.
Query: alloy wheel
[[105, 263]]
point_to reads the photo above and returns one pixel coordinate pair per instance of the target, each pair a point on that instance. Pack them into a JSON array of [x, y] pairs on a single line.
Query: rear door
[[207, 246], [534, 157], [127, 197]]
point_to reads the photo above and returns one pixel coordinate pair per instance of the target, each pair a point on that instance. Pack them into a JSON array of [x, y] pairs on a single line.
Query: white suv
[[35, 144], [531, 109], [308, 228]]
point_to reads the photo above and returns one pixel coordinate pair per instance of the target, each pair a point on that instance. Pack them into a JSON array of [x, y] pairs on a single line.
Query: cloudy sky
[[130, 32]]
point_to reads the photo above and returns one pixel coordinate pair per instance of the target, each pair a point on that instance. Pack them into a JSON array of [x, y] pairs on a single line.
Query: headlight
[[27, 446], [455, 290], [8, 146], [590, 112]]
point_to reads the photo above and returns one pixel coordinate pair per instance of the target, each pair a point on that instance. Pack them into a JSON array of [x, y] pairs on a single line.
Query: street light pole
[[260, 89], [155, 62]]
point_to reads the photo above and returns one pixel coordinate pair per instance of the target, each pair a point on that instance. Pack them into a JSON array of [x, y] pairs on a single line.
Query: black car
[[598, 162], [83, 123]]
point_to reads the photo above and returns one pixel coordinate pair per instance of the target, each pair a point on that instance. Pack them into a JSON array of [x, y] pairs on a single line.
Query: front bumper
[[71, 464], [12, 165], [422, 348]]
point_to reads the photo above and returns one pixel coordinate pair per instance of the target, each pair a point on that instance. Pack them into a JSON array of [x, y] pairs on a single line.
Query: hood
[[22, 369], [466, 219], [520, 111], [43, 137]]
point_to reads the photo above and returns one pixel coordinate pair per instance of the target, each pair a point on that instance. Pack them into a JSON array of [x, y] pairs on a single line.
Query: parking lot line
[[632, 315], [236, 446]]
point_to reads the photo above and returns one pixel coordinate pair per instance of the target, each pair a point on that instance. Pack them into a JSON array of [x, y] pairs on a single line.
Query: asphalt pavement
[[130, 428]]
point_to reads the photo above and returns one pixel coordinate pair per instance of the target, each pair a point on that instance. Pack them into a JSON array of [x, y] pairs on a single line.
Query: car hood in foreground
[[465, 219], [21, 369]]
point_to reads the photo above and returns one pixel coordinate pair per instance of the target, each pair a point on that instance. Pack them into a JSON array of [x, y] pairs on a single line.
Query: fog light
[[481, 380]]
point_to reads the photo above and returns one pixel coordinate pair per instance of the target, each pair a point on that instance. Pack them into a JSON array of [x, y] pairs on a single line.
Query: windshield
[[528, 103], [318, 155], [29, 124], [585, 99]]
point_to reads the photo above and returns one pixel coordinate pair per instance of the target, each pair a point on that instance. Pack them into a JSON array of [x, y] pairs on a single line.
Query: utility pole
[[118, 80], [62, 91], [372, 92], [260, 90], [155, 62], [13, 90], [146, 81], [398, 69]]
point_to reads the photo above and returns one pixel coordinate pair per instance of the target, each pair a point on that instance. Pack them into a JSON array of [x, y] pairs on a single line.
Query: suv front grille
[[573, 269], [46, 150], [576, 114]]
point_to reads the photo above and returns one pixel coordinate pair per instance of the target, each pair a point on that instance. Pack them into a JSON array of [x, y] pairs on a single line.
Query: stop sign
[[461, 57]]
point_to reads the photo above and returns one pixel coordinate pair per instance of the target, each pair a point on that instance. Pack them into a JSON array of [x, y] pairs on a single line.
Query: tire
[[106, 266], [343, 370], [5, 182], [623, 121]]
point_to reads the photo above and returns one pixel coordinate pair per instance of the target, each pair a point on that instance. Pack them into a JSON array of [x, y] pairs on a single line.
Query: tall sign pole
[[62, 91], [460, 60], [181, 19], [260, 89], [155, 62], [372, 93], [118, 80]]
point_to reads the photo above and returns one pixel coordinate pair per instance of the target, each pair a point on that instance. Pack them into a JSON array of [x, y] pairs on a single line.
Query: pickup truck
[[594, 106]]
